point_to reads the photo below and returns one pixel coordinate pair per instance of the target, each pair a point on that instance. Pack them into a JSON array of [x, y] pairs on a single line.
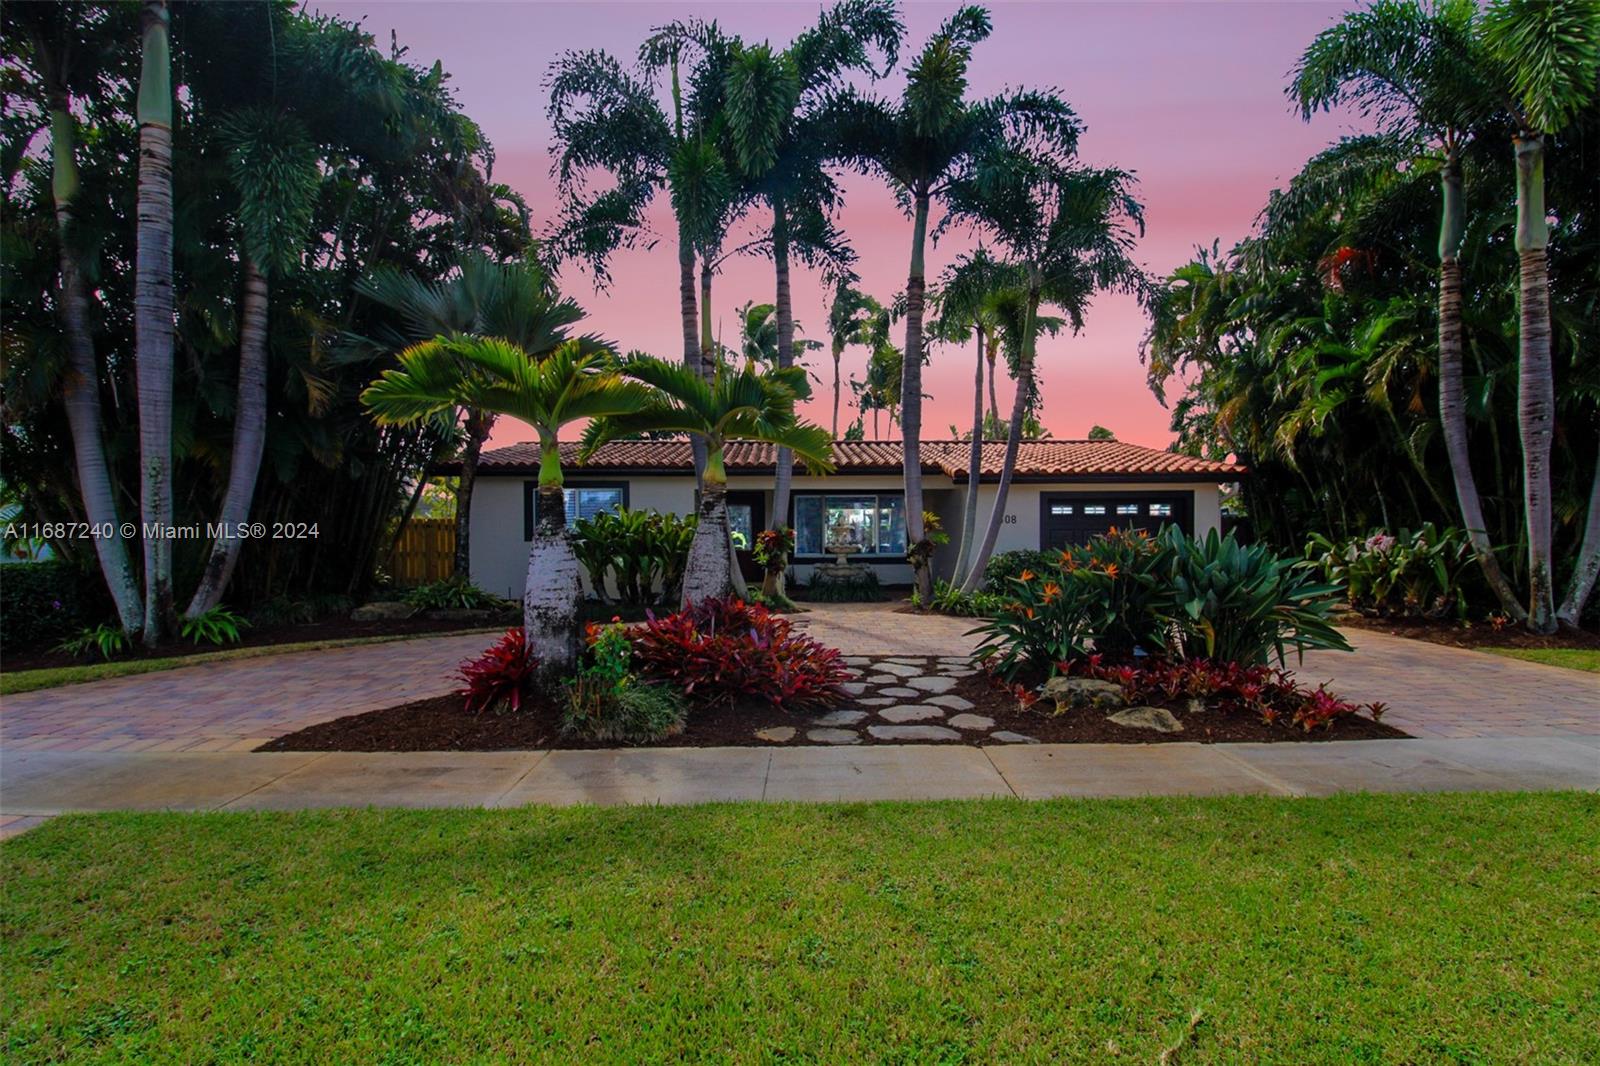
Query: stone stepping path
[[899, 698]]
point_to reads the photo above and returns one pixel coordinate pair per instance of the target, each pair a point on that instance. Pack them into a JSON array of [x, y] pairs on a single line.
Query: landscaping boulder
[[1083, 693], [383, 611], [1158, 718]]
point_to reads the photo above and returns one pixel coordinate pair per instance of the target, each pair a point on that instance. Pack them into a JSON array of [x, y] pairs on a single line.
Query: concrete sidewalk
[[39, 784]]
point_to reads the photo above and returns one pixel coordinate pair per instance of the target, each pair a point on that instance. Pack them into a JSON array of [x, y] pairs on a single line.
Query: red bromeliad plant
[[725, 649], [501, 678], [1230, 687]]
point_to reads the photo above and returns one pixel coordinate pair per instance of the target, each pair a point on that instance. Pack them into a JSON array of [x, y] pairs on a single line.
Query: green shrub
[[282, 611], [860, 585], [453, 592], [643, 552], [1002, 568], [607, 704], [1241, 603], [1421, 574], [107, 639], [43, 603], [216, 626], [949, 599]]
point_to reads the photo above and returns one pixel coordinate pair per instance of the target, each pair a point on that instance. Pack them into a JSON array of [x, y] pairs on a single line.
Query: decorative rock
[[1195, 705], [878, 702], [953, 660], [852, 688], [913, 732], [841, 718], [948, 672], [883, 679], [907, 660], [933, 684], [955, 703], [776, 734], [1080, 693], [910, 712], [833, 736], [382, 611], [1006, 736], [899, 691], [856, 660], [972, 721], [1158, 718], [900, 669]]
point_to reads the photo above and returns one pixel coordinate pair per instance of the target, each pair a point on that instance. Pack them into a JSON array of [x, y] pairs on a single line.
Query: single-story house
[[1064, 491]]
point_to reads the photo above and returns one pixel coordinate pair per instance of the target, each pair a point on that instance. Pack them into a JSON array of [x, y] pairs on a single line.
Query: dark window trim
[[530, 492], [1183, 512], [859, 557]]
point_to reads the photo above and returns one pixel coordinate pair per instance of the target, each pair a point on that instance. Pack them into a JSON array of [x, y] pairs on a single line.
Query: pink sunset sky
[[1189, 96]]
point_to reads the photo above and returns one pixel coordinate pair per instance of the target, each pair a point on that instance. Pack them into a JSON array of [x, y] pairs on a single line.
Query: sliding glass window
[[874, 522]]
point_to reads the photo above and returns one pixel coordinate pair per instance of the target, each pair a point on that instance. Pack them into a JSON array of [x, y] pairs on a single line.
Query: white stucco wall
[[500, 554]]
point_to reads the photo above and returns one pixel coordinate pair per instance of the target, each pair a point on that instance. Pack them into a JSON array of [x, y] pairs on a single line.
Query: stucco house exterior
[[1064, 491]]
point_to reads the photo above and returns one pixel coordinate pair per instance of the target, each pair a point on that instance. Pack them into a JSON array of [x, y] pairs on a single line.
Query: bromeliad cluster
[[1268, 693], [723, 650], [1167, 596]]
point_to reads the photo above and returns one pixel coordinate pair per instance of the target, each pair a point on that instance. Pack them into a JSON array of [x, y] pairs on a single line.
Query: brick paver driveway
[[1433, 691], [232, 706]]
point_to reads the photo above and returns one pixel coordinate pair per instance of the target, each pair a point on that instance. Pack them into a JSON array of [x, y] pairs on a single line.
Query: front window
[[742, 525], [874, 522], [588, 502]]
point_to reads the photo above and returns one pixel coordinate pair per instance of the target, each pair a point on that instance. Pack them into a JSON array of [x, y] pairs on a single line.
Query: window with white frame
[[874, 522]]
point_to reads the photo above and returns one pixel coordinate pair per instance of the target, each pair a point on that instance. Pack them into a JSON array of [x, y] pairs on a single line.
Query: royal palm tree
[[1071, 231], [1550, 55], [56, 35], [931, 137], [516, 302], [574, 382], [1418, 71], [743, 403], [849, 322], [153, 308]]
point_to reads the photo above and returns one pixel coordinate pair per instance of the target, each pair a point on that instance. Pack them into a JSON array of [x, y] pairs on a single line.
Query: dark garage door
[[1073, 517]]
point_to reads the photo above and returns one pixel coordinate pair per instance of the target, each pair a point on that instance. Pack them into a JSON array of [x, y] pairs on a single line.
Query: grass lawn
[[1572, 658], [1455, 928], [53, 677]]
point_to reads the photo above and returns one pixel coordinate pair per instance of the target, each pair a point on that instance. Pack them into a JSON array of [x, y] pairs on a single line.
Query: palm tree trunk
[[708, 572], [838, 351], [1008, 465], [994, 405], [969, 511], [81, 385], [1535, 379], [1588, 564], [477, 430], [153, 316], [554, 586], [690, 321], [249, 440], [911, 398], [783, 304]]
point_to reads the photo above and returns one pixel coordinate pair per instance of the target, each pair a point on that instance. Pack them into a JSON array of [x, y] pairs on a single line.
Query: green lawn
[[1348, 930], [1572, 658], [53, 677]]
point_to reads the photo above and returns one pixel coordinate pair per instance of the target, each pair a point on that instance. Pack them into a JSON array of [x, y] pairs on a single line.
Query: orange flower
[[1051, 591], [1111, 570], [1026, 575], [1111, 532], [1030, 612]]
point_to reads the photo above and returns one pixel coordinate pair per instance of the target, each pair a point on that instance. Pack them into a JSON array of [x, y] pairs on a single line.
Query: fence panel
[[424, 553]]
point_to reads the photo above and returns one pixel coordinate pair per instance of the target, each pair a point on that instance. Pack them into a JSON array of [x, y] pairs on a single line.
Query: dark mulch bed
[[257, 637], [1477, 635], [439, 724]]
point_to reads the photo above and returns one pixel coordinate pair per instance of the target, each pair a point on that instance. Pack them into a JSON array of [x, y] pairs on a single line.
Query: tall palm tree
[[1550, 54], [1071, 231], [576, 381], [931, 137], [56, 34], [849, 320], [758, 334], [775, 101], [153, 314], [1418, 71], [516, 302], [273, 164], [735, 404]]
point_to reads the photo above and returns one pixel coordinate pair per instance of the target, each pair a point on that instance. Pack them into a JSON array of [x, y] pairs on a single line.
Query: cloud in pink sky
[[1189, 96]]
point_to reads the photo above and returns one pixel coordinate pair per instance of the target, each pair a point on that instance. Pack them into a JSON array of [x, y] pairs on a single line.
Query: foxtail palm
[[742, 403], [153, 309], [1550, 53], [849, 320], [1418, 71], [576, 381], [1071, 231], [928, 139]]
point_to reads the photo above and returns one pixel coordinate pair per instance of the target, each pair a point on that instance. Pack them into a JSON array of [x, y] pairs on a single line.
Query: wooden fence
[[424, 553]]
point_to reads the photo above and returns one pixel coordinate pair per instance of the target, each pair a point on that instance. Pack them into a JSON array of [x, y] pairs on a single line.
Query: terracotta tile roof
[[1036, 459]]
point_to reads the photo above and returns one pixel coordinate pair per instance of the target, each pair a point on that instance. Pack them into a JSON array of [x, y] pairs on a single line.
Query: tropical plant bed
[[256, 637], [1477, 635], [891, 701]]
